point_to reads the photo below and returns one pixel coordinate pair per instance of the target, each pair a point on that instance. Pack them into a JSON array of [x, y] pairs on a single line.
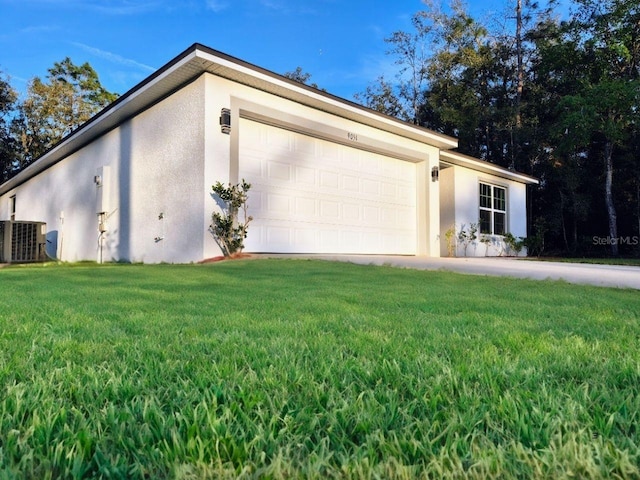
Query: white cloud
[[273, 5], [113, 57], [125, 7], [115, 7], [217, 5], [286, 8], [32, 29]]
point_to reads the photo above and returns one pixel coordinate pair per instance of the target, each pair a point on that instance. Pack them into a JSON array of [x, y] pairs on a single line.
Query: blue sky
[[340, 42]]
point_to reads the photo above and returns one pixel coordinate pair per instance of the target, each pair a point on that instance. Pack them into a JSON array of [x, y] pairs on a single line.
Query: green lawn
[[634, 262], [309, 369]]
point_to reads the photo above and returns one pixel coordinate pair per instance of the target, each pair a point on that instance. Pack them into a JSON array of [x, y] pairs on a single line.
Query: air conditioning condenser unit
[[22, 242]]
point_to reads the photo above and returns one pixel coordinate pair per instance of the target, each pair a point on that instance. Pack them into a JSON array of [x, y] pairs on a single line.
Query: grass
[[309, 369], [634, 262]]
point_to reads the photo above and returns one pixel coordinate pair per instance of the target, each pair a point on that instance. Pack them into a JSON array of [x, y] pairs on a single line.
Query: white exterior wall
[[155, 166], [461, 205], [64, 196], [447, 207], [165, 145]]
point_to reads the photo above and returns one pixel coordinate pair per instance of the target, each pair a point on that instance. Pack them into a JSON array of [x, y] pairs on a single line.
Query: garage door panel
[[370, 187], [329, 211], [278, 236], [277, 139], [255, 202], [305, 207], [330, 152], [279, 203], [351, 213], [306, 236], [252, 167], [329, 180], [264, 203], [350, 183], [278, 171], [305, 176], [309, 195], [305, 145]]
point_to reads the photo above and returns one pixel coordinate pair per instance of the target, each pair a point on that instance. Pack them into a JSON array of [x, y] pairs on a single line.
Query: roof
[[188, 66], [455, 158]]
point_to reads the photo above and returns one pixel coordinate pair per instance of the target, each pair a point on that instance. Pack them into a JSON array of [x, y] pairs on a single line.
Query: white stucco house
[[328, 176]]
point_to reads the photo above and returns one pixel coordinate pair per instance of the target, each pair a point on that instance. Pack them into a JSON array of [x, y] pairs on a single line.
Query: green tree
[[381, 97], [69, 97], [412, 51], [8, 99], [300, 76], [561, 204], [601, 115], [404, 97]]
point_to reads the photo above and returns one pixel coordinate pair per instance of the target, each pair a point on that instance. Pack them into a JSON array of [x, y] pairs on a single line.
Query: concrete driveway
[[599, 275]]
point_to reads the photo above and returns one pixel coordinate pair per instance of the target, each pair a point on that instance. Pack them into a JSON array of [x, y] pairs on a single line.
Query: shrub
[[514, 245], [225, 227], [451, 242], [466, 237]]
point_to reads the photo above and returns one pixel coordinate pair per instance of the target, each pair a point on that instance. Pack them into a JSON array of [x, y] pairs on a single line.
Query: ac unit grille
[[22, 242]]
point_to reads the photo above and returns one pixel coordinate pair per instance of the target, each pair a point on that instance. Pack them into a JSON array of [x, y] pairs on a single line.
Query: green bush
[[514, 244], [225, 227]]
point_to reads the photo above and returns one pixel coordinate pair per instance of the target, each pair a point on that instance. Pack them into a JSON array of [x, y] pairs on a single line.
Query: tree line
[[52, 108], [554, 98]]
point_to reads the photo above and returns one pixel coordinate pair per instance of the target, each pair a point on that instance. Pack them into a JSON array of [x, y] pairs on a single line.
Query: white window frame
[[493, 208]]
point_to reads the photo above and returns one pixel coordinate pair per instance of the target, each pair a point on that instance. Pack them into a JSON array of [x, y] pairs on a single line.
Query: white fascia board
[[486, 167]]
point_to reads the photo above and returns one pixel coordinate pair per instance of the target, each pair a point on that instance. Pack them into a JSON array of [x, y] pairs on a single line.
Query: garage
[[312, 195]]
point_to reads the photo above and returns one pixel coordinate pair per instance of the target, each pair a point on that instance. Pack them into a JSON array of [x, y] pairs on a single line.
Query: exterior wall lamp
[[435, 174], [225, 121]]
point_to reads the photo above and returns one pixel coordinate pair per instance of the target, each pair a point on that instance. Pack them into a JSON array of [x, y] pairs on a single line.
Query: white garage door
[[313, 196]]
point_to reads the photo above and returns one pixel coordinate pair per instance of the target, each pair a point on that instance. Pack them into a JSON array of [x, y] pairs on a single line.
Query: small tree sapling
[[225, 226]]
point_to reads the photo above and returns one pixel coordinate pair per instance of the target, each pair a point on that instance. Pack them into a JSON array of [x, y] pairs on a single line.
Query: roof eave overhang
[[190, 65], [231, 68], [454, 158]]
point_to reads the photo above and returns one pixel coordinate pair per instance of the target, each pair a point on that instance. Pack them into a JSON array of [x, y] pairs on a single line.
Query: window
[[12, 207], [493, 209]]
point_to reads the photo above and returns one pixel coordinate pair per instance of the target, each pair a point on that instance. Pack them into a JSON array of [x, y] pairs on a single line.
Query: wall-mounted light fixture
[[435, 174], [225, 120], [97, 179]]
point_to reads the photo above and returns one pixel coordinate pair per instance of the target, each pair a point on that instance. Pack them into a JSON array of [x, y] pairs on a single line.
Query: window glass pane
[[485, 195], [499, 223], [499, 199], [485, 221]]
